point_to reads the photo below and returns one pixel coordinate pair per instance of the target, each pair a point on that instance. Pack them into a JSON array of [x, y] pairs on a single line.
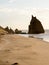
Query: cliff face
[[35, 26]]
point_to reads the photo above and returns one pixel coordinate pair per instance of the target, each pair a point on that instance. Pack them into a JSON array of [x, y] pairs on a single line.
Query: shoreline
[[28, 36]]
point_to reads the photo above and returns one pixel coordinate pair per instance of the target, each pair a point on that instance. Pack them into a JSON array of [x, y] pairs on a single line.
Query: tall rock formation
[[35, 26]]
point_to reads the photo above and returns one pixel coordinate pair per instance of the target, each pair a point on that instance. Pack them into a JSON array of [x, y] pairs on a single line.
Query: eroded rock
[[35, 26]]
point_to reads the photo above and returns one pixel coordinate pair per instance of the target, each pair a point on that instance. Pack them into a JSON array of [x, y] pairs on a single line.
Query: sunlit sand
[[22, 50]]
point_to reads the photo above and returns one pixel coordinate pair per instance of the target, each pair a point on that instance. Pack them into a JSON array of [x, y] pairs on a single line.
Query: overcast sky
[[17, 13]]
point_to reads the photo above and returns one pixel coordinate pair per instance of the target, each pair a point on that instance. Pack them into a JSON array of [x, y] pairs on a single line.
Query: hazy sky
[[17, 13]]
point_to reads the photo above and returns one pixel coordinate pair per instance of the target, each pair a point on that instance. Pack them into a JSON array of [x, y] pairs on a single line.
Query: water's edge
[[43, 36]]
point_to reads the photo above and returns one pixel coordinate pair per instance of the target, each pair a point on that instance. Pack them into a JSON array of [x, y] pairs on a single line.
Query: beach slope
[[22, 50]]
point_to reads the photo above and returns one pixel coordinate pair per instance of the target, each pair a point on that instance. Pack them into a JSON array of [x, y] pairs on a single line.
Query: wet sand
[[22, 50]]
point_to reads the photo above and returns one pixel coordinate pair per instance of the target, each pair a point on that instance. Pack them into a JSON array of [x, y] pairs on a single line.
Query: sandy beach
[[22, 50]]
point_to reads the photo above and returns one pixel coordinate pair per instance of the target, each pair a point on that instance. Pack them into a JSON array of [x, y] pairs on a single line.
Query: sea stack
[[35, 26]]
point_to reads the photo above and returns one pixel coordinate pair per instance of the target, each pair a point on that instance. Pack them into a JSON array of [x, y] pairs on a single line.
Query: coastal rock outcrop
[[17, 31], [35, 26], [10, 31]]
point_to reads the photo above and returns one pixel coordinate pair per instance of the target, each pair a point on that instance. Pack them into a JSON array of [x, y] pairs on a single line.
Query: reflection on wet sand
[[35, 37]]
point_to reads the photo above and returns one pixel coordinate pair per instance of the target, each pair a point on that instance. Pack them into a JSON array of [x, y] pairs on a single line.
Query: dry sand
[[24, 51]]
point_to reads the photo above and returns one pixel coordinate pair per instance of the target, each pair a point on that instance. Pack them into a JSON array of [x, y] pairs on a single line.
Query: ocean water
[[43, 36]]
